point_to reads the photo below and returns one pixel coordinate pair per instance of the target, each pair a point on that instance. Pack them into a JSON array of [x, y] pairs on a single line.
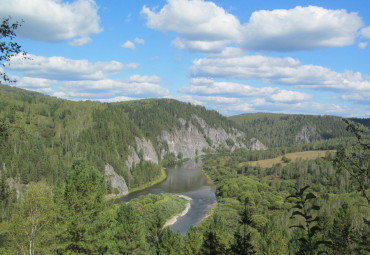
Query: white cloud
[[117, 99], [280, 71], [53, 20], [29, 82], [365, 32], [129, 45], [362, 45], [139, 40], [207, 88], [300, 28], [194, 20], [60, 68], [80, 41], [290, 96], [134, 86], [204, 26], [205, 46]]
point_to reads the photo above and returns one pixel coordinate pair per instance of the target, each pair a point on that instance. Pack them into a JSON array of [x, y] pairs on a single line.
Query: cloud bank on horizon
[[233, 58]]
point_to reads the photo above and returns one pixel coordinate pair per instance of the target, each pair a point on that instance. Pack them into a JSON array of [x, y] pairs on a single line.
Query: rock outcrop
[[257, 145], [307, 134], [191, 141], [146, 148], [117, 181]]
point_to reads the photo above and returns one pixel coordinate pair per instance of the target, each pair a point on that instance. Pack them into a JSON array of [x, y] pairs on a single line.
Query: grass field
[[266, 163]]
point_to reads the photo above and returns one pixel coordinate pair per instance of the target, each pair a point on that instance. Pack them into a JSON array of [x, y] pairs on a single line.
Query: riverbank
[[185, 211], [156, 180]]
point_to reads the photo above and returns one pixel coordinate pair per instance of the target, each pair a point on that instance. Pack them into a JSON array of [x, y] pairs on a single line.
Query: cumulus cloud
[[300, 28], [134, 86], [80, 41], [60, 68], [204, 26], [362, 45], [194, 20], [129, 45], [206, 87], [279, 71], [205, 46], [290, 96], [53, 20], [29, 83], [117, 99], [139, 40], [365, 32]]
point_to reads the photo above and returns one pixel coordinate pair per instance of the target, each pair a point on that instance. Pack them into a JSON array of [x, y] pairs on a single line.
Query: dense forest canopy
[[57, 150], [276, 130]]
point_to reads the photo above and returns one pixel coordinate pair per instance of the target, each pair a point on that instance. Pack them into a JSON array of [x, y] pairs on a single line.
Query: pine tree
[[129, 231], [215, 237], [171, 244], [243, 243], [193, 241], [82, 204]]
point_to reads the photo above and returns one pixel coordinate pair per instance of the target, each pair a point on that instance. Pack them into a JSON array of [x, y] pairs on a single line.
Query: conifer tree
[[171, 243], [215, 237], [242, 240], [129, 231], [82, 204], [193, 241]]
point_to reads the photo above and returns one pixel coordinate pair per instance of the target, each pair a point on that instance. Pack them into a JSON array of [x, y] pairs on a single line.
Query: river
[[186, 179]]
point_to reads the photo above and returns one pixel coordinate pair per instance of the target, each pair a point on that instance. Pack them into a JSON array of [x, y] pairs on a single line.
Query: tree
[[171, 243], [304, 209], [156, 231], [214, 238], [342, 232], [82, 206], [193, 241], [31, 228], [243, 244], [355, 159], [129, 233], [8, 47]]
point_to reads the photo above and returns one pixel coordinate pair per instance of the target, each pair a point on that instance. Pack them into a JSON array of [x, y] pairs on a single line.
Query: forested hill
[[276, 130], [40, 135]]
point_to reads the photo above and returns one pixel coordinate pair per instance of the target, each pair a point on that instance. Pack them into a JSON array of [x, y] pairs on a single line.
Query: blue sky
[[292, 56]]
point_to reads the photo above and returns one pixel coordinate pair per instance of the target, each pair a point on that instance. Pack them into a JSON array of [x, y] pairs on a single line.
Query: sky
[[233, 56]]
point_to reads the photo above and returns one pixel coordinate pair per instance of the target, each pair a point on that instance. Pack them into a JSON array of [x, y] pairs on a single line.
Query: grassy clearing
[[266, 163]]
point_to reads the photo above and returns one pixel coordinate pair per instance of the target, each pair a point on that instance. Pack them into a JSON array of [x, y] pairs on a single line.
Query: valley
[[238, 172]]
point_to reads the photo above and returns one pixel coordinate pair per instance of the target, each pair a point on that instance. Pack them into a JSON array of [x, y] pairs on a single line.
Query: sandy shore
[[185, 211]]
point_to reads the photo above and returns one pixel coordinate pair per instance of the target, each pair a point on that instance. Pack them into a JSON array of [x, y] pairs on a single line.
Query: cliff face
[[190, 140], [117, 181], [307, 134], [147, 151]]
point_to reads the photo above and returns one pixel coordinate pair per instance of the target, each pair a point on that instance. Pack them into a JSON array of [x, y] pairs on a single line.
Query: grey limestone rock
[[117, 181]]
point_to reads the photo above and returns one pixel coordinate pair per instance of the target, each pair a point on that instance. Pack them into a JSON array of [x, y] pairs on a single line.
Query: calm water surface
[[186, 179]]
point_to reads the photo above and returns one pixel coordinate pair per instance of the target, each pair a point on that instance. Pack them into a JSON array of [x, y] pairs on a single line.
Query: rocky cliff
[[308, 134], [196, 137], [117, 181]]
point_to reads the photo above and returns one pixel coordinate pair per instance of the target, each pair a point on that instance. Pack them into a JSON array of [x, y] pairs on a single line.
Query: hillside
[[40, 135], [276, 130]]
